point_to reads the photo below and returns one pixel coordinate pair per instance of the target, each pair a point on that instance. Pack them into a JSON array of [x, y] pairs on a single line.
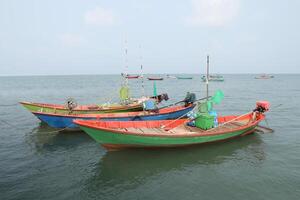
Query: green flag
[[154, 89], [218, 97]]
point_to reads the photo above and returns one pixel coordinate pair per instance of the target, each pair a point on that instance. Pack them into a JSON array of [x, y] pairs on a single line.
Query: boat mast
[[207, 75]]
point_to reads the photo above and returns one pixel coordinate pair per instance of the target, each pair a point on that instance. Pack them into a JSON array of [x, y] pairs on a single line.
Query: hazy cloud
[[99, 16], [72, 40], [213, 12]]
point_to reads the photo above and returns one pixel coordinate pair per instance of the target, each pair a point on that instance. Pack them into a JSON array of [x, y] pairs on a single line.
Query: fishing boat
[[184, 77], [155, 78], [57, 120], [132, 77], [264, 76], [213, 78], [72, 107], [81, 109], [114, 135]]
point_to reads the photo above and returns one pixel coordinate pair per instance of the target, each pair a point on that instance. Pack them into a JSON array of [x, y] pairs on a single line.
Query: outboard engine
[[189, 98], [161, 97], [71, 104], [262, 106]]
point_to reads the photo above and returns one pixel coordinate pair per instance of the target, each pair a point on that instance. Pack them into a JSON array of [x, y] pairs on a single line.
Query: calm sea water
[[35, 164]]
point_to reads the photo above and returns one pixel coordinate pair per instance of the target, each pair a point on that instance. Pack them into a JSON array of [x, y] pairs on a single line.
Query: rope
[[13, 126], [163, 126], [7, 105], [5, 122], [229, 121], [264, 129], [56, 131]]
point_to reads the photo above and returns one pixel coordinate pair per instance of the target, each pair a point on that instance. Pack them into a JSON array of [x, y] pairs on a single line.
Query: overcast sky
[[167, 36]]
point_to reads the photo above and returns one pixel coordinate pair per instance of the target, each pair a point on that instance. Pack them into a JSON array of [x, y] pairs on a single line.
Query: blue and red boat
[[65, 121]]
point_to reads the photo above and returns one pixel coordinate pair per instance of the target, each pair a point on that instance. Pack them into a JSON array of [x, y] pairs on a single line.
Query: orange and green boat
[[171, 133]]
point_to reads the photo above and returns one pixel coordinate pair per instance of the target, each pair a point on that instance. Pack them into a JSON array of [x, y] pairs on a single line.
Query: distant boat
[[130, 76], [184, 77], [155, 78], [213, 78], [264, 76], [170, 76]]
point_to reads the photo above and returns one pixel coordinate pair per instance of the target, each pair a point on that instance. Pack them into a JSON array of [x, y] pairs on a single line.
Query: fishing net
[[124, 93], [208, 105]]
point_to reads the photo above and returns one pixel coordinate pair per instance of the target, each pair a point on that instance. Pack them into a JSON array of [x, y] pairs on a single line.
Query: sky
[[60, 37]]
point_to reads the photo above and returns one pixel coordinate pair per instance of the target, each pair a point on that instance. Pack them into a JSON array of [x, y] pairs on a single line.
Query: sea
[[36, 162]]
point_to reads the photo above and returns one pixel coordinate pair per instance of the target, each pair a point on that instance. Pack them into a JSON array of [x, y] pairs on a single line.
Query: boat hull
[[155, 79], [36, 107], [111, 140], [66, 121], [168, 133]]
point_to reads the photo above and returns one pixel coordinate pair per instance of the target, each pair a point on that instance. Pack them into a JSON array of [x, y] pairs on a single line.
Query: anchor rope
[[16, 127], [7, 105]]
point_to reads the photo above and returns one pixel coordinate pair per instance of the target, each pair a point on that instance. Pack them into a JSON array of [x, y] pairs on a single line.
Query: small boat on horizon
[[155, 78], [264, 76], [213, 78], [170, 76], [132, 76], [184, 77], [128, 76]]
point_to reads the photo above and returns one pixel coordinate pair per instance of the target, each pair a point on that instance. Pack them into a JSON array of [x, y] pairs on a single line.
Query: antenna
[[142, 75], [207, 76], [126, 63]]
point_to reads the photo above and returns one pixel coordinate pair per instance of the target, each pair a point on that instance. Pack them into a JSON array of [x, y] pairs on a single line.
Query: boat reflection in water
[[44, 139], [131, 168]]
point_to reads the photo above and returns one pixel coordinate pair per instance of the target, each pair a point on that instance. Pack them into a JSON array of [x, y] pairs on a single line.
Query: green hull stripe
[[104, 137]]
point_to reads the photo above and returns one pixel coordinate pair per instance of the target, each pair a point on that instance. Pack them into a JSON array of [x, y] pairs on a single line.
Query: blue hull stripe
[[67, 122]]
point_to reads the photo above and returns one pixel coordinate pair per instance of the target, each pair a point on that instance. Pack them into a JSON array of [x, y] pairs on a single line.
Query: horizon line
[[28, 75]]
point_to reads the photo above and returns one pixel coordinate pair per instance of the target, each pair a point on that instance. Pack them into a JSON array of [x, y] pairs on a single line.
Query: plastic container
[[205, 121], [214, 113], [150, 105]]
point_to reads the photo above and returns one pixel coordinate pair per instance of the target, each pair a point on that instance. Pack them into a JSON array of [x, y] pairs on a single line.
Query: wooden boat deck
[[185, 129]]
